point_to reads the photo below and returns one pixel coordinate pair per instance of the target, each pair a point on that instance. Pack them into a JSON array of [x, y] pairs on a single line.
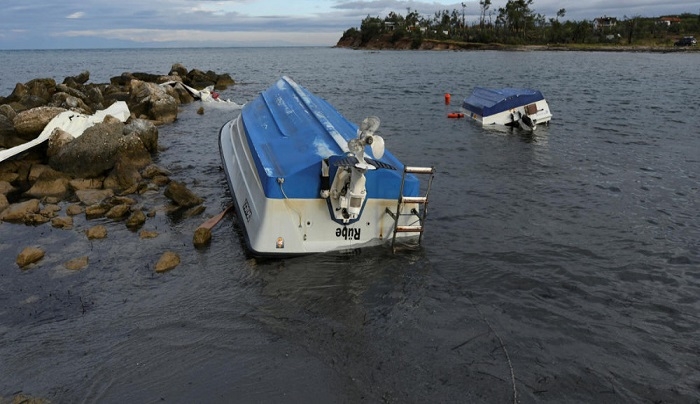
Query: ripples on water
[[568, 256]]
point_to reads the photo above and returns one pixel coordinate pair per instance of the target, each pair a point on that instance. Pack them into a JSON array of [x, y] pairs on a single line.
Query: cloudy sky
[[51, 24]]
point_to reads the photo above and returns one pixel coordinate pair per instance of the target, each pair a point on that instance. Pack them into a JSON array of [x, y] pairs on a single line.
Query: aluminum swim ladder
[[419, 215]]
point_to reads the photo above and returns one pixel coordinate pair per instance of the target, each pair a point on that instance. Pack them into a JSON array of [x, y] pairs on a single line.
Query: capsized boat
[[306, 180], [515, 107]]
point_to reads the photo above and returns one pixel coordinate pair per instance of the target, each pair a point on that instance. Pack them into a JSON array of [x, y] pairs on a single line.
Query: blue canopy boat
[[518, 107], [306, 180]]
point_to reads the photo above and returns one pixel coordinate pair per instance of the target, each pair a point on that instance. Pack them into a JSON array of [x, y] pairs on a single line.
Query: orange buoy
[[455, 115], [447, 98]]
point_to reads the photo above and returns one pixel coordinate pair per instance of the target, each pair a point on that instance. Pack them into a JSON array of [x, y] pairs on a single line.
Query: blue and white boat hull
[[514, 107], [279, 195]]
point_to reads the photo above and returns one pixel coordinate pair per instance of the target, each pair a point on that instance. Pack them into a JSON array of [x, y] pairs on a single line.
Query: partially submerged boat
[[306, 180], [514, 107]]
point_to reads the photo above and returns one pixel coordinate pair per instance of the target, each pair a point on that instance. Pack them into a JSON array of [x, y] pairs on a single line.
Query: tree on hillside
[[516, 16], [484, 6]]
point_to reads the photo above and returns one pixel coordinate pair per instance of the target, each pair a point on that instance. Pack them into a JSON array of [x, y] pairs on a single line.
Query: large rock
[[123, 176], [169, 260], [18, 212], [223, 81], [81, 78], [153, 102], [57, 140], [67, 101], [133, 151], [146, 131], [93, 196], [49, 183], [181, 196], [8, 112], [93, 153], [30, 123], [179, 69], [8, 134], [29, 255], [4, 203]]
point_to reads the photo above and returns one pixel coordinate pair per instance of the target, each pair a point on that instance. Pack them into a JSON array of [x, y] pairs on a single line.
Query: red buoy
[[447, 98]]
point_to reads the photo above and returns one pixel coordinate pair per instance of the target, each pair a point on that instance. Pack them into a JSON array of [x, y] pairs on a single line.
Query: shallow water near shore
[[559, 266]]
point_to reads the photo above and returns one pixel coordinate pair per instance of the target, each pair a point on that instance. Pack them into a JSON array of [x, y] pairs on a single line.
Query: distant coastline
[[449, 45]]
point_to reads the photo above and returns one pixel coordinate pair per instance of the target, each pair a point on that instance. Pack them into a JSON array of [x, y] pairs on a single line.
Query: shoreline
[[469, 46]]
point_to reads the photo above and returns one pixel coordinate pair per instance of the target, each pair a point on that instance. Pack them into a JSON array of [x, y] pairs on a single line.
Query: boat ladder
[[418, 225]]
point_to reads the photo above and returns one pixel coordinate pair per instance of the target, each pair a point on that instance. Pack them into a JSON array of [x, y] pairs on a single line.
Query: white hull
[[286, 226], [512, 116]]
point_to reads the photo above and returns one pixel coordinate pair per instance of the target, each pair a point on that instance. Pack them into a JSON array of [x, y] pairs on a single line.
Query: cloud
[[282, 22]]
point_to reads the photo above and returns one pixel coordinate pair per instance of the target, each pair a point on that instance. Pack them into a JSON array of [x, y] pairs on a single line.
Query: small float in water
[[306, 180], [514, 107]]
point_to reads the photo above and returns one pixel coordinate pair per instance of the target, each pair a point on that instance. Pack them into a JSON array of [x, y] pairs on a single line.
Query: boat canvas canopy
[[290, 130], [486, 102]]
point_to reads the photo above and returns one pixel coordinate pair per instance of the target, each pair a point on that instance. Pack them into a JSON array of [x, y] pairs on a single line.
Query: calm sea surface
[[557, 267]]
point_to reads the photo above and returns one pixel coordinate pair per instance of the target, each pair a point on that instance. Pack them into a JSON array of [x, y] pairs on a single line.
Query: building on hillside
[[605, 22], [668, 21]]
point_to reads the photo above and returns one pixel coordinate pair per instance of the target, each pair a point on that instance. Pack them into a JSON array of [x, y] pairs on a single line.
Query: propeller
[[377, 146], [369, 125], [367, 128]]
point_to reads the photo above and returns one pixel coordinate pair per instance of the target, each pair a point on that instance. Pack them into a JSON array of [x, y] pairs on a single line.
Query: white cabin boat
[[306, 180], [514, 107]]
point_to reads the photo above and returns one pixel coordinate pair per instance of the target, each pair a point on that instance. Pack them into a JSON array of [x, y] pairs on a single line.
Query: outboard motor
[[527, 123]]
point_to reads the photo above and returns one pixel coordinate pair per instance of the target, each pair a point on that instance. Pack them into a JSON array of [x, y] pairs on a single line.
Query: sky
[[85, 24]]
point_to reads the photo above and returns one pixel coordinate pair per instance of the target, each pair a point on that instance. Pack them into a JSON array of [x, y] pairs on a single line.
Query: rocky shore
[[386, 43], [103, 172]]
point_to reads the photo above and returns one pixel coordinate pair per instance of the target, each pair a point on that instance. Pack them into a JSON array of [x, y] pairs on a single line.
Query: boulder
[[132, 151], [146, 131], [179, 69], [136, 220], [74, 209], [202, 237], [81, 78], [31, 122], [95, 98], [152, 171], [70, 90], [6, 187], [97, 210], [79, 184], [123, 176], [76, 264], [55, 187], [169, 260], [93, 153], [8, 134], [67, 101], [118, 211], [144, 234], [4, 203], [223, 81], [18, 212], [153, 102], [58, 139], [181, 196], [96, 232], [62, 222], [8, 112], [93, 196], [29, 256]]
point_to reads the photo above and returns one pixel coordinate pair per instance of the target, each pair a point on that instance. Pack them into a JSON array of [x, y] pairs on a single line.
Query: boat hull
[[507, 107], [297, 226]]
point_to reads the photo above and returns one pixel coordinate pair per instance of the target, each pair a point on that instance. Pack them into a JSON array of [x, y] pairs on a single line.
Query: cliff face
[[385, 43]]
